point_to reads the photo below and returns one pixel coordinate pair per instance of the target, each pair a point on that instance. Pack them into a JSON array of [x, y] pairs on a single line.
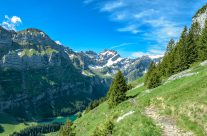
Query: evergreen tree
[[170, 46], [66, 130], [203, 44], [148, 74], [166, 66], [181, 61], [154, 80], [153, 76], [192, 43], [117, 91], [170, 58]]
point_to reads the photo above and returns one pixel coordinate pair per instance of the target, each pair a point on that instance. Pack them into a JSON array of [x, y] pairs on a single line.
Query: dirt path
[[168, 125]]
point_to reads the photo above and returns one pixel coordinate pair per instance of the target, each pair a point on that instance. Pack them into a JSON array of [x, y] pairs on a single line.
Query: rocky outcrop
[[201, 17], [5, 38], [33, 37], [14, 60]]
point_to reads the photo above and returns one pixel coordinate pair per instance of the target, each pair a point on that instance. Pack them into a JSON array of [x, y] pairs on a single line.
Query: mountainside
[[169, 100], [178, 107], [38, 78], [43, 78]]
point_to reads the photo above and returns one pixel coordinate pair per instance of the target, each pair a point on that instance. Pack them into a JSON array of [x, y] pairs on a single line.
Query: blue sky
[[132, 27]]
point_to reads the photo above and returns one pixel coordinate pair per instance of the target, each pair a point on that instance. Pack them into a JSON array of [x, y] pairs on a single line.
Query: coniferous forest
[[180, 55]]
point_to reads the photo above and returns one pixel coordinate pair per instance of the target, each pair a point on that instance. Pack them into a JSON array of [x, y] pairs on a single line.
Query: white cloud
[[16, 19], [58, 42], [151, 53], [11, 23], [163, 30], [153, 22], [110, 6], [144, 13], [130, 28], [121, 45]]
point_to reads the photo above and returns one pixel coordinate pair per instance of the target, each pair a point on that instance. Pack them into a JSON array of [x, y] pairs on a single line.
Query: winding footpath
[[167, 124]]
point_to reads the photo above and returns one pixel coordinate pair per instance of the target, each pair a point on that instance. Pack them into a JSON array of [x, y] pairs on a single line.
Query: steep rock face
[[38, 78], [5, 41], [16, 61], [5, 38], [33, 37], [201, 16]]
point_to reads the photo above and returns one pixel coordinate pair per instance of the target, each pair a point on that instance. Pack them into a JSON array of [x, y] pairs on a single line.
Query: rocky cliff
[[38, 78], [201, 16]]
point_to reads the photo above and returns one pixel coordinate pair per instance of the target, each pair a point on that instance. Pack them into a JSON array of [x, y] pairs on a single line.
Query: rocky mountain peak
[[32, 36], [91, 54], [5, 37], [108, 54]]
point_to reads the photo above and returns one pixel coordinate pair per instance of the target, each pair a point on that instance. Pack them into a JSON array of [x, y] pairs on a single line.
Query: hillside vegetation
[[169, 100], [182, 98]]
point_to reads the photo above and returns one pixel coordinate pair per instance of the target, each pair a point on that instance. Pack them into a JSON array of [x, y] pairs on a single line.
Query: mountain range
[[43, 78]]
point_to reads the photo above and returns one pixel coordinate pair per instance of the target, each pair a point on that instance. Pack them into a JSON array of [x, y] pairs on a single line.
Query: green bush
[[67, 129], [105, 129]]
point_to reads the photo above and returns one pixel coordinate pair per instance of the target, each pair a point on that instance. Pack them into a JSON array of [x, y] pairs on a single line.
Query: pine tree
[[170, 46], [192, 43], [117, 91], [181, 61], [154, 80], [153, 76], [203, 44], [166, 66], [148, 74], [170, 58], [67, 130]]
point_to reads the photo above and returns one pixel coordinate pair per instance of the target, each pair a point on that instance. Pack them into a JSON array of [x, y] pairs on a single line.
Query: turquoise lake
[[58, 119]]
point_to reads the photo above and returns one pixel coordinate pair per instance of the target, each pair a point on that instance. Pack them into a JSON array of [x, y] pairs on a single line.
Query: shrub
[[105, 129], [67, 129]]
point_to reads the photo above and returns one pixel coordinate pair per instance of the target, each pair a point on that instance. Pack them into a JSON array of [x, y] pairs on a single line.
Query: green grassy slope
[[183, 99]]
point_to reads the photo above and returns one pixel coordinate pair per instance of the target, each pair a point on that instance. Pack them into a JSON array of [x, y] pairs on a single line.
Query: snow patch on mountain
[[111, 62]]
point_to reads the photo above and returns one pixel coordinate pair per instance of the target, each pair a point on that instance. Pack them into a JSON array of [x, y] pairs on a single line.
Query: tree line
[[38, 130], [180, 55]]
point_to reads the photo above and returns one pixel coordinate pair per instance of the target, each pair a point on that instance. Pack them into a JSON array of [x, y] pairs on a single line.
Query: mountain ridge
[[37, 71]]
